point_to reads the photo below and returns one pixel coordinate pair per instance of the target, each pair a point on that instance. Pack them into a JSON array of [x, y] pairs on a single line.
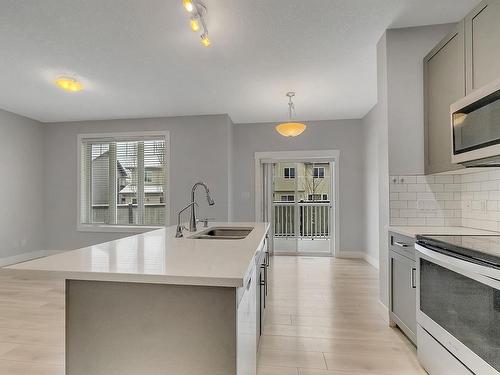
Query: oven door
[[458, 303]]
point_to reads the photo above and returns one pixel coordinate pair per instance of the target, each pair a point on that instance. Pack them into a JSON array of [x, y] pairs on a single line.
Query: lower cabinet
[[246, 329], [403, 287]]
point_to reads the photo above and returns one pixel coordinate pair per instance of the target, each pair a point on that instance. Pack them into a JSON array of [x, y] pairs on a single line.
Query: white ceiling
[[138, 58]]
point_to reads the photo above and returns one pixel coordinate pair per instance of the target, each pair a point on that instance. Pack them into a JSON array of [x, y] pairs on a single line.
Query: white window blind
[[123, 181]]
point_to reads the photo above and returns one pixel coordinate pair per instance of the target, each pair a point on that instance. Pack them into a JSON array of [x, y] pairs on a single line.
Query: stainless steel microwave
[[475, 128]]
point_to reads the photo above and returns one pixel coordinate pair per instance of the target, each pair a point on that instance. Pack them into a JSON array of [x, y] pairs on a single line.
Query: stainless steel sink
[[223, 233]]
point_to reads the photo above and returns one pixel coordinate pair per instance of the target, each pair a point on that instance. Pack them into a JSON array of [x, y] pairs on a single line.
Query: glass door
[[302, 207]]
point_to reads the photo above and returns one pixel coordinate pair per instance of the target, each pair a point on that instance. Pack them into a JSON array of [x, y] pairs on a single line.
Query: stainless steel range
[[458, 304]]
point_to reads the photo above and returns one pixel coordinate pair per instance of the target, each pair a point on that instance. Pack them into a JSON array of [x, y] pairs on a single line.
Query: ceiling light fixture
[[290, 128], [198, 10], [195, 25], [205, 40], [188, 5], [69, 84]]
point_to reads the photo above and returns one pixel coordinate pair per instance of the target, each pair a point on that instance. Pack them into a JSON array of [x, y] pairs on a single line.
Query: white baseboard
[[359, 255], [351, 254], [371, 260], [384, 312], [8, 261]]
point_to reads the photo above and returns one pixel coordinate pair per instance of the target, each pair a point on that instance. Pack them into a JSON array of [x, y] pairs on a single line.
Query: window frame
[[289, 174], [319, 174], [119, 228]]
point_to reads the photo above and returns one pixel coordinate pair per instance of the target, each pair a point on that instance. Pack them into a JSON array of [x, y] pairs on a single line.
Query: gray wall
[[372, 123], [406, 49], [393, 129], [22, 186], [199, 151], [343, 135]]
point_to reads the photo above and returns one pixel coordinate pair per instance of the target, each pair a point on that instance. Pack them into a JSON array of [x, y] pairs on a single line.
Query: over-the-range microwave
[[475, 128]]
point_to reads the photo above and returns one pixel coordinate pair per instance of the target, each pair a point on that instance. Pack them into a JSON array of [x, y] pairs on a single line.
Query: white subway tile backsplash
[[452, 187], [471, 200], [416, 221], [446, 179], [435, 187], [404, 212], [444, 196], [489, 185], [435, 222], [492, 205], [425, 196], [416, 187], [398, 221], [481, 195], [398, 204], [408, 196], [453, 205], [407, 179]]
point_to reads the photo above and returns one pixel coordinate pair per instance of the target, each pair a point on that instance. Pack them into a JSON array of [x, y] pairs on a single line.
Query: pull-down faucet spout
[[192, 221]]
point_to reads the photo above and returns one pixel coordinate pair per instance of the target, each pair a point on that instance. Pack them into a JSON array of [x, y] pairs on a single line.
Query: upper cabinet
[[444, 83], [482, 44], [464, 61]]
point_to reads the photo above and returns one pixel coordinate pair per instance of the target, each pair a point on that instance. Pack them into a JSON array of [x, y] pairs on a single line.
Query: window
[[148, 176], [325, 197], [314, 197], [319, 172], [123, 180], [289, 172], [288, 198]]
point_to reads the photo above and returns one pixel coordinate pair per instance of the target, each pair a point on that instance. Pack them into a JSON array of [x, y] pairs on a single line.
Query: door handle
[[413, 278]]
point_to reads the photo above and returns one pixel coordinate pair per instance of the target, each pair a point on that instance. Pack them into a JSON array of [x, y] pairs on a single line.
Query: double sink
[[223, 233]]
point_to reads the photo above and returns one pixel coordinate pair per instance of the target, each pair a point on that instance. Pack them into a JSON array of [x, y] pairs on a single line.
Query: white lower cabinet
[[246, 329]]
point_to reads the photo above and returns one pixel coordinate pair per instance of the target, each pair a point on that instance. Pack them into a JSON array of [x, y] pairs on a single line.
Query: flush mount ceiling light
[[197, 23], [290, 128], [69, 84]]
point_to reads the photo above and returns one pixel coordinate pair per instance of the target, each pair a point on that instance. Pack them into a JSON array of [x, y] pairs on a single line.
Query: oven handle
[[461, 266]]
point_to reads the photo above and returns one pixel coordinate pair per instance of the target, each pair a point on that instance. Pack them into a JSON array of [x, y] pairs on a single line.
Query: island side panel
[[129, 329]]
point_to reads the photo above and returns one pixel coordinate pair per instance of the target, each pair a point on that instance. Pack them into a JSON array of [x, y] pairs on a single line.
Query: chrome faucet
[[192, 222], [180, 227]]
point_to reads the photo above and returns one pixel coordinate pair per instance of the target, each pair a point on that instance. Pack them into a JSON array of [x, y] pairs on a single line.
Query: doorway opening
[[297, 194]]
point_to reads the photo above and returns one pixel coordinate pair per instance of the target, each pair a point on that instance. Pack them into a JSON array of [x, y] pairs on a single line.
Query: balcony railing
[[302, 220]]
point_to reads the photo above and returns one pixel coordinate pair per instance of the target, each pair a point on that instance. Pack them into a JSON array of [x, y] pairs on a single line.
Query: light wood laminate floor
[[323, 318]]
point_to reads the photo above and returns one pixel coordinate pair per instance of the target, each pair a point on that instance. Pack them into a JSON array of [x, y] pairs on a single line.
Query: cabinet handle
[[413, 278], [400, 244], [249, 282]]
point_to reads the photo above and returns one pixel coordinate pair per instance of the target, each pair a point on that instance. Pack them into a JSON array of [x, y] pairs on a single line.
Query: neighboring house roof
[[121, 169], [148, 189]]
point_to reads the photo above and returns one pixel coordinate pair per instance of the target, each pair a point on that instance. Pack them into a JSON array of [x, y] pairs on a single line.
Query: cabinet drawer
[[403, 245]]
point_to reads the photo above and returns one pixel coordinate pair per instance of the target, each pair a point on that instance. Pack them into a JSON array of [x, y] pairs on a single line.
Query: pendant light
[[290, 128]]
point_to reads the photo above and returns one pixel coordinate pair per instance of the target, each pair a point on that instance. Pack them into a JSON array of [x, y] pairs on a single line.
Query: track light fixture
[[197, 11]]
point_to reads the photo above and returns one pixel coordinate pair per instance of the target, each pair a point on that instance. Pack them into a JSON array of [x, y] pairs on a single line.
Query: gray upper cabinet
[[444, 83], [482, 44]]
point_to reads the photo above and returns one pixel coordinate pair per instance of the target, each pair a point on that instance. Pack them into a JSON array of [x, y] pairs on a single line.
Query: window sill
[[116, 228]]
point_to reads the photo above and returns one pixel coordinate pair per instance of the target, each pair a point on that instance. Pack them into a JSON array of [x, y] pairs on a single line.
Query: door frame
[[316, 155]]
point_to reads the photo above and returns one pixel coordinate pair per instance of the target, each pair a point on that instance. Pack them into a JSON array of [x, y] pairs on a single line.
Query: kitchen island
[[156, 304]]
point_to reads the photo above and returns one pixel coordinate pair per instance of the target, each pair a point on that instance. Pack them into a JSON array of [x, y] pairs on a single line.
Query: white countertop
[[452, 231], [156, 257]]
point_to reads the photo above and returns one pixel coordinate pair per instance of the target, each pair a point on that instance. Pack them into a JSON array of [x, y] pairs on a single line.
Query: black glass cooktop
[[478, 249]]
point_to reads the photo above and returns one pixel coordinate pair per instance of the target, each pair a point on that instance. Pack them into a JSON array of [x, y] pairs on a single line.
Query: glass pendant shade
[[290, 129]]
